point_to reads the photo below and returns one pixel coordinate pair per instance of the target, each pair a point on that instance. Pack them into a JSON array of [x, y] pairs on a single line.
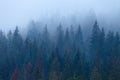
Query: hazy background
[[21, 12]]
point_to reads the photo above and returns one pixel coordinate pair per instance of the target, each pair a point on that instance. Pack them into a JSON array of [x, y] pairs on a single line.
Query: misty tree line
[[66, 56]]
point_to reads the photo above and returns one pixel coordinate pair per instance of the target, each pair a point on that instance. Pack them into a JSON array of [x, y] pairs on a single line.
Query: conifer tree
[[95, 75], [16, 75]]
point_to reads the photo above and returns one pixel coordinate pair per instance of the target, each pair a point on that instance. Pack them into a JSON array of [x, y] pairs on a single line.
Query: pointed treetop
[[67, 32], [79, 31], [96, 24], [45, 29], [16, 31], [9, 35], [96, 28], [102, 32]]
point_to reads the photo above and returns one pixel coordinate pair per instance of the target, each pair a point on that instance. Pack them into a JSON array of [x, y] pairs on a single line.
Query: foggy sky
[[20, 12]]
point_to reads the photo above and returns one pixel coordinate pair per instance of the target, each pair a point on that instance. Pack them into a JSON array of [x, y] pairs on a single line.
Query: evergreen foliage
[[64, 56]]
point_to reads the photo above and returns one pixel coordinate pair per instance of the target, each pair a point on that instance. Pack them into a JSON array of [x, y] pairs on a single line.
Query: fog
[[21, 12], [59, 40]]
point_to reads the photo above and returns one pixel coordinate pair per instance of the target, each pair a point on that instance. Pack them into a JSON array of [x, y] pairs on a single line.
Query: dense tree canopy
[[40, 56]]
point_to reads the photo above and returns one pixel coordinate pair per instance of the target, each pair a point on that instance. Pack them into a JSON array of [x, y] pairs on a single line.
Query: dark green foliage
[[95, 74], [62, 56], [95, 37]]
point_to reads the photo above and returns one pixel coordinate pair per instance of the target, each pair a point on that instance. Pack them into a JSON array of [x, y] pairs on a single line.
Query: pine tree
[[77, 66], [95, 74], [67, 71], [39, 70], [79, 38], [60, 38], [16, 75], [94, 43], [55, 70], [45, 43], [17, 42], [114, 70], [33, 31], [28, 72], [102, 42], [72, 36], [67, 40], [4, 66], [95, 37]]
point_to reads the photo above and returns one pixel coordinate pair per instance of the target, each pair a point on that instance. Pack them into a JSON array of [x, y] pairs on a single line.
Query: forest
[[66, 55]]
